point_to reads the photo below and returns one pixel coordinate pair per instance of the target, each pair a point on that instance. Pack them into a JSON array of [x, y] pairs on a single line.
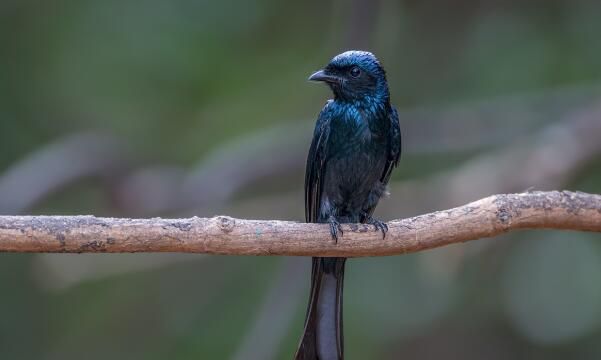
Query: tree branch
[[487, 217]]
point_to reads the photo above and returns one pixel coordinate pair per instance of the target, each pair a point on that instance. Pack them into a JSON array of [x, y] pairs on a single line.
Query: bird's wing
[[393, 155], [394, 146], [315, 165]]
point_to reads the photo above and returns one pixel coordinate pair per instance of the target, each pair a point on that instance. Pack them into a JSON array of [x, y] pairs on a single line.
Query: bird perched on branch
[[356, 145]]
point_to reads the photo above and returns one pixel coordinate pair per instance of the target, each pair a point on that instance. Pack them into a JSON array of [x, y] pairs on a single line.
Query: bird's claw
[[335, 229], [378, 226]]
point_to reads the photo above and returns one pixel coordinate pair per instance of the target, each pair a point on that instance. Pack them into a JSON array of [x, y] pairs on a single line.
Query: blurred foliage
[[177, 79]]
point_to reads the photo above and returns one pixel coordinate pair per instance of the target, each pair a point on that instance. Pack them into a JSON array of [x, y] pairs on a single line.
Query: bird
[[356, 144]]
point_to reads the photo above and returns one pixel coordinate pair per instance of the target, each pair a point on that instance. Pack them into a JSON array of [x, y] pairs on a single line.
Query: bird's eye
[[355, 71]]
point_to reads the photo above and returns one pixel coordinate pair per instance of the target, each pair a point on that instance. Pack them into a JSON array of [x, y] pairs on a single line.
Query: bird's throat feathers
[[368, 109], [344, 94]]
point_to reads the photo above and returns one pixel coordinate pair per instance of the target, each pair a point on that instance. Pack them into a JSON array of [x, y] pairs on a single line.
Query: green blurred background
[[179, 108]]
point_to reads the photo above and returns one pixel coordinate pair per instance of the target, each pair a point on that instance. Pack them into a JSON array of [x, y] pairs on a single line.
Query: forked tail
[[322, 338]]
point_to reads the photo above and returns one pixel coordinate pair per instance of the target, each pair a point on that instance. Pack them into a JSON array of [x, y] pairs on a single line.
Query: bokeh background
[[183, 107]]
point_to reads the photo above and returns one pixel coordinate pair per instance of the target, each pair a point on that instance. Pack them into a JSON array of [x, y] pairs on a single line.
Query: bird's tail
[[322, 338]]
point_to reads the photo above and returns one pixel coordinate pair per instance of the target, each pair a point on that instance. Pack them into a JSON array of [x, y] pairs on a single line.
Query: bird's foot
[[378, 225], [335, 228]]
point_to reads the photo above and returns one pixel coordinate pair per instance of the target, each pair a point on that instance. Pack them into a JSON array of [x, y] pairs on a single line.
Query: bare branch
[[487, 217]]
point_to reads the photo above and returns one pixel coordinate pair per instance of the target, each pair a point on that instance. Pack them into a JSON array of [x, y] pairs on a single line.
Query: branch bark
[[487, 217]]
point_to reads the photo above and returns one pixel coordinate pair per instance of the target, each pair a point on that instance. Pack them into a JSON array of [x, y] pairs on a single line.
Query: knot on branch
[[225, 223], [504, 215]]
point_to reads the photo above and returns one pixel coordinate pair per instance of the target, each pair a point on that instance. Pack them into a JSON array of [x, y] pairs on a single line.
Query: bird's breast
[[355, 131], [356, 153]]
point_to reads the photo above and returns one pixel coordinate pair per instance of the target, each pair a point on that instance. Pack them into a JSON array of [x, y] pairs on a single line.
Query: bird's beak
[[321, 75]]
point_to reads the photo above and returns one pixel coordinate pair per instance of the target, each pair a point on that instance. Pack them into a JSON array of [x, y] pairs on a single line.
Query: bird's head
[[354, 76]]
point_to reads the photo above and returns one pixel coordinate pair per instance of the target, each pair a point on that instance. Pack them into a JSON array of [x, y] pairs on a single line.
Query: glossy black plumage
[[355, 146]]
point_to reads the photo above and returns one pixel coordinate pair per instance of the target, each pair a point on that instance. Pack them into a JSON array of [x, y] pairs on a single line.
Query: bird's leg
[[335, 228], [378, 225]]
